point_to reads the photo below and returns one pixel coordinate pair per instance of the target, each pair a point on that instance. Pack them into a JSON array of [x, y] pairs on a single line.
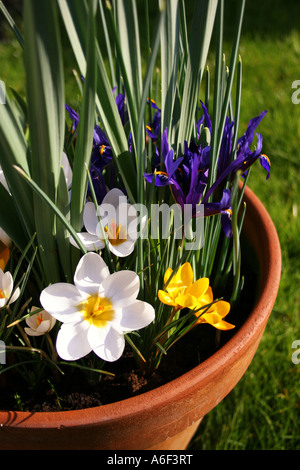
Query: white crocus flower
[[97, 310], [39, 323], [119, 222], [6, 289]]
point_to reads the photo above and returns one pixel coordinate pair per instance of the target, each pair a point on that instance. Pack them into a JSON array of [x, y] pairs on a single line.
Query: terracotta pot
[[167, 417]]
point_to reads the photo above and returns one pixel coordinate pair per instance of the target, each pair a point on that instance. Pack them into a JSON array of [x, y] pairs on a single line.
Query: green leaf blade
[[86, 126], [46, 114]]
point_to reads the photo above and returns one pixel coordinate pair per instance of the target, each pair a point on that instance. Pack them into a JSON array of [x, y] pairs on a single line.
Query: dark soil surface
[[75, 392]]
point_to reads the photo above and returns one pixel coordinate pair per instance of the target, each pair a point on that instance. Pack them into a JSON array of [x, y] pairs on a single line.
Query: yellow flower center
[[2, 296], [116, 233], [97, 310], [39, 319]]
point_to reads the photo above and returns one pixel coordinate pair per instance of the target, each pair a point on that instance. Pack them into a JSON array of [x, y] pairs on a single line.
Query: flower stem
[[54, 355]]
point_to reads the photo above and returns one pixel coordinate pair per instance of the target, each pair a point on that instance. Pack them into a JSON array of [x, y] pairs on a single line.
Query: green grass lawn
[[263, 411]]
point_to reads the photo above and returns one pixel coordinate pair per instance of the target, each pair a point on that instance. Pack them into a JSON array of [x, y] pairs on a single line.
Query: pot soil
[[132, 412]]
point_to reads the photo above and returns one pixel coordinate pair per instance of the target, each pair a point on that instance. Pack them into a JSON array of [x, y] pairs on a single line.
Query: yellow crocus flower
[[181, 285], [181, 292]]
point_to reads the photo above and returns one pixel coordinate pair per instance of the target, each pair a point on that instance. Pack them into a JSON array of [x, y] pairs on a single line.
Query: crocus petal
[[90, 218], [61, 300], [122, 249], [215, 314], [96, 336], [221, 307], [40, 330], [207, 297], [136, 225], [114, 197], [138, 315], [15, 295], [72, 342], [122, 288], [90, 272], [184, 275], [187, 301], [216, 321], [90, 242], [167, 275], [199, 287], [7, 283], [165, 298], [112, 347], [31, 321], [126, 214]]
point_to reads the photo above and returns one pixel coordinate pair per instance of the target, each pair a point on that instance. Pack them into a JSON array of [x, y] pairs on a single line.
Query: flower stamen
[[117, 234], [97, 311]]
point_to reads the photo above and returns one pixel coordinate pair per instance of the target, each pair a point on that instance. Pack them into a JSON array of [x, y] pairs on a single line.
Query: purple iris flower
[[224, 208], [101, 157], [120, 102], [186, 176], [205, 119], [245, 157], [226, 147], [153, 130], [192, 176], [164, 178]]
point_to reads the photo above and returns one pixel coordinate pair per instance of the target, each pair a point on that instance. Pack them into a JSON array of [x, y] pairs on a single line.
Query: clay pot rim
[[201, 374]]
